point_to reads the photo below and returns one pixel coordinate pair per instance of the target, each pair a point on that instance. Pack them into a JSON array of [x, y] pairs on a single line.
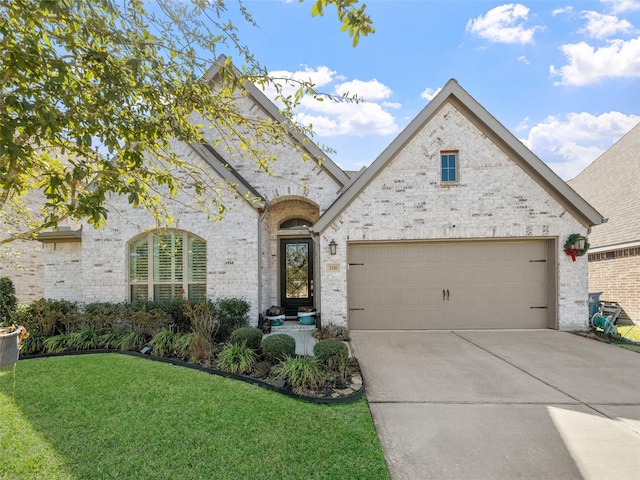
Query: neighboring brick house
[[455, 225], [611, 184]]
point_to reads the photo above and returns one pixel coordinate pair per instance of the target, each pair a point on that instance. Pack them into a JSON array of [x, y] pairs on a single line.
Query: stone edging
[[253, 381]]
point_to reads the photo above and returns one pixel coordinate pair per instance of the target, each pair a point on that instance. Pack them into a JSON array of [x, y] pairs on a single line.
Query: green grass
[[115, 416], [630, 332]]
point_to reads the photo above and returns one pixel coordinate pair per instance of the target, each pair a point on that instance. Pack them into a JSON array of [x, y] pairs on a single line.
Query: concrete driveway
[[536, 404]]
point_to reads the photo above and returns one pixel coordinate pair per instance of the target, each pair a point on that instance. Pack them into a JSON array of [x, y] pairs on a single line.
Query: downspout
[[263, 215], [316, 272]]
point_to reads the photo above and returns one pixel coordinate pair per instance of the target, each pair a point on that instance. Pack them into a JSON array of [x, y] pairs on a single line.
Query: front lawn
[[116, 416]]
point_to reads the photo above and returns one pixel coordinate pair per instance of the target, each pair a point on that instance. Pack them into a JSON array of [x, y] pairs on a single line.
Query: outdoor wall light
[[578, 243], [333, 247]]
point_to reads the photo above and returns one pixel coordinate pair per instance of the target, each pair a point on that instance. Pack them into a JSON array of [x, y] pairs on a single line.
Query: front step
[[292, 326]]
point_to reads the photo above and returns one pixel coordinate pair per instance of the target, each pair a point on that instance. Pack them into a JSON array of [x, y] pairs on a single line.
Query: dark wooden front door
[[296, 274]]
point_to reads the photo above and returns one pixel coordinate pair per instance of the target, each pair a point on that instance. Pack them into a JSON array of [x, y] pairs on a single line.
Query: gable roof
[[612, 185], [271, 109], [526, 159], [229, 174]]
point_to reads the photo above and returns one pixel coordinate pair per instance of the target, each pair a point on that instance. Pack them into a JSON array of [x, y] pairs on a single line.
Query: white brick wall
[[494, 199], [63, 271], [24, 265]]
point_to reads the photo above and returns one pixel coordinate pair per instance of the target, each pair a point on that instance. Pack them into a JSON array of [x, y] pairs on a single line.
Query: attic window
[[449, 166], [295, 224]]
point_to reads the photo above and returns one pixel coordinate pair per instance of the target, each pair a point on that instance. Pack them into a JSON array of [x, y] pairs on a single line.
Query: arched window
[[295, 223], [161, 268]]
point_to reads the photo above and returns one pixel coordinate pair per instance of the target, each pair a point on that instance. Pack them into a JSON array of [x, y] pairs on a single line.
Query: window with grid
[[168, 265], [449, 167]]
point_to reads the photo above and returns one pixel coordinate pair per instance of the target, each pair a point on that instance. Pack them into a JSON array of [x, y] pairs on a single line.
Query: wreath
[[575, 252]]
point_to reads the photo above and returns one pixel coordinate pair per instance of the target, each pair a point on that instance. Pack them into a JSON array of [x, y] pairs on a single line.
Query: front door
[[296, 274]]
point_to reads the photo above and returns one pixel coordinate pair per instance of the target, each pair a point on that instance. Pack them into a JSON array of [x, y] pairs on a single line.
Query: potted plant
[[307, 315], [10, 343]]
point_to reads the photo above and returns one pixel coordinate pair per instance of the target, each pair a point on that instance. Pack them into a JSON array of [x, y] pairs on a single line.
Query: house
[[23, 263], [612, 185], [455, 225]]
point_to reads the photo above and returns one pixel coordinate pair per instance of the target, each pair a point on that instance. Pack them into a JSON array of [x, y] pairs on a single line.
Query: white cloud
[[568, 144], [333, 118], [587, 64], [559, 11], [360, 120], [370, 91], [430, 93], [523, 59], [604, 26], [504, 24], [618, 6]]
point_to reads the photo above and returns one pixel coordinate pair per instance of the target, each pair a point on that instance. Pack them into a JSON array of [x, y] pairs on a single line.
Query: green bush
[[33, 344], [103, 315], [57, 343], [163, 342], [249, 336], [132, 341], [8, 301], [331, 351], [236, 358], [112, 339], [51, 317], [333, 354], [303, 373], [85, 339], [233, 314], [278, 346]]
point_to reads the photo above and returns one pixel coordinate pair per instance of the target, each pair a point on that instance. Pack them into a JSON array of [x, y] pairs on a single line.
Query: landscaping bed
[[210, 336]]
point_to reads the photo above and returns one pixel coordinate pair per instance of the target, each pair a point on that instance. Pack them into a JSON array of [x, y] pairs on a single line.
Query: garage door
[[450, 285]]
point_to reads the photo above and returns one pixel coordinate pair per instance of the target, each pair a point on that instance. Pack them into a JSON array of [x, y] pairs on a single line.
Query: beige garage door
[[450, 285]]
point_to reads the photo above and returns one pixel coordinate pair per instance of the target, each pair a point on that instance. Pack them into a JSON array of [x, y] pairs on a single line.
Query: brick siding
[[617, 275]]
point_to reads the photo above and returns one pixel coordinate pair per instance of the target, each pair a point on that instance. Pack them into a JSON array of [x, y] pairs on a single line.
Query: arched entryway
[[289, 220]]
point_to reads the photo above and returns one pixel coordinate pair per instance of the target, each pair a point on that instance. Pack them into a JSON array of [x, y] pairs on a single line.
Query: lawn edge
[[250, 380]]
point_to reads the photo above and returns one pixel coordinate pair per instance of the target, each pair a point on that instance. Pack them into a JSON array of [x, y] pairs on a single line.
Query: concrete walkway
[[537, 404]]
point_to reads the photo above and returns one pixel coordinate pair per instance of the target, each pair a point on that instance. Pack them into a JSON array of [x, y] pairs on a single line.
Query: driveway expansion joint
[[576, 400]]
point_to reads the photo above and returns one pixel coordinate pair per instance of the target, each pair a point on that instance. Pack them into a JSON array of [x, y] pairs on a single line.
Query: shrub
[[332, 331], [233, 313], [8, 301], [331, 351], [163, 342], [57, 343], [249, 336], [85, 339], [103, 315], [333, 354], [112, 339], [204, 318], [132, 341], [51, 317], [236, 358], [34, 343], [278, 346], [182, 344], [201, 349], [303, 373]]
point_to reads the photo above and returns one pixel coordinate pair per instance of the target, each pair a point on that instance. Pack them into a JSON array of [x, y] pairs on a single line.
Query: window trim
[[456, 169], [150, 282]]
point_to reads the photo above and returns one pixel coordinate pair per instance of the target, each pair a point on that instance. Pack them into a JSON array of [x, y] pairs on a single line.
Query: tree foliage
[[93, 93]]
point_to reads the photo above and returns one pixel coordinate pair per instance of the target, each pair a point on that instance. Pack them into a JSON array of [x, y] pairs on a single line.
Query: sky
[[562, 76]]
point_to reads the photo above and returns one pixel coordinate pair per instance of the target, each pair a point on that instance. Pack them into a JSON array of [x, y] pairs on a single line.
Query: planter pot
[[307, 318], [9, 344], [276, 321]]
